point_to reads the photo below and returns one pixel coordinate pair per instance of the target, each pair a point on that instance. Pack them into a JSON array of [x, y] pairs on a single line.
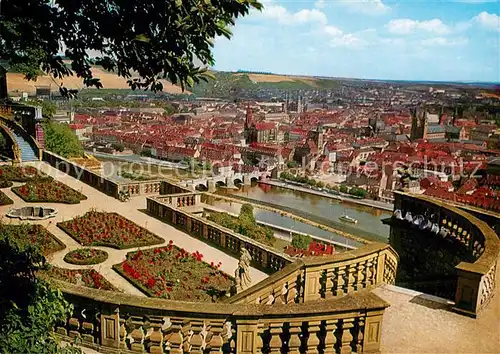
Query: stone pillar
[[211, 186], [229, 182], [467, 293], [312, 285], [247, 333], [247, 180], [373, 331]]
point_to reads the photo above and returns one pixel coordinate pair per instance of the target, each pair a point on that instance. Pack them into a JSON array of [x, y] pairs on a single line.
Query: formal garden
[[96, 228], [35, 235], [4, 199], [48, 190], [83, 277], [86, 256], [172, 273]]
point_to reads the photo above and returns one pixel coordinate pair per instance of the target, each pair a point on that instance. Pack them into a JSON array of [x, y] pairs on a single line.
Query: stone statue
[[79, 279], [242, 273]]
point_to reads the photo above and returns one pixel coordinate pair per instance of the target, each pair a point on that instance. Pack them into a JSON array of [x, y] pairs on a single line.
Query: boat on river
[[348, 218]]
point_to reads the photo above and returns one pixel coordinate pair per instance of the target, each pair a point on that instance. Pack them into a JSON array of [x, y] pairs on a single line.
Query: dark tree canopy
[[141, 40]]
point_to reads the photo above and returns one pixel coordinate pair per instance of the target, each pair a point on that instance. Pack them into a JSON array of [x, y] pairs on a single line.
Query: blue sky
[[404, 40]]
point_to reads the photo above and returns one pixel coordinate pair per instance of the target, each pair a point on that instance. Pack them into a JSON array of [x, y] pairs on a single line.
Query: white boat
[[347, 218]]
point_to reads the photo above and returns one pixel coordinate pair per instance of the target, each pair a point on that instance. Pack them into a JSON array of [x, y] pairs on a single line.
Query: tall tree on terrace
[[143, 41]]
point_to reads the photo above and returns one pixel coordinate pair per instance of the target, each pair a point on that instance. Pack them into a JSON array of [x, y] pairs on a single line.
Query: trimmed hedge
[[86, 256]]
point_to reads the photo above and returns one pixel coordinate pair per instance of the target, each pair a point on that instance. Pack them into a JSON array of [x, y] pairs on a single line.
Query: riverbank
[[294, 214], [365, 202]]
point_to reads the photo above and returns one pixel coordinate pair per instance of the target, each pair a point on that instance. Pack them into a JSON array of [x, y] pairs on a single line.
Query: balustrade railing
[[115, 322], [476, 280], [324, 277]]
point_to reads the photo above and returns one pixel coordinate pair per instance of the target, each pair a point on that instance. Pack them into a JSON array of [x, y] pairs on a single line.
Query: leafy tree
[[147, 153], [246, 213], [155, 39], [291, 164], [170, 109], [301, 241], [29, 307], [61, 140], [343, 189]]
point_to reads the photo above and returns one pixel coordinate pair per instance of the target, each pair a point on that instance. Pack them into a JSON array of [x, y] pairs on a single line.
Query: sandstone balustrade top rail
[[476, 280], [112, 322]]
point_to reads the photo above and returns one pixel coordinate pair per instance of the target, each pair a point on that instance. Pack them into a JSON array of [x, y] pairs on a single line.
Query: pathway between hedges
[[130, 210]]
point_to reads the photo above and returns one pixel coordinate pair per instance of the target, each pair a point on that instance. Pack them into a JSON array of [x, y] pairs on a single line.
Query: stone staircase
[[27, 152]]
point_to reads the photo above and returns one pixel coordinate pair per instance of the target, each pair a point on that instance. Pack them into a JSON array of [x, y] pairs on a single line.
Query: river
[[369, 224]]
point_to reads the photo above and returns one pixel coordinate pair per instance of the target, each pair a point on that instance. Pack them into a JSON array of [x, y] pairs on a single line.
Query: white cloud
[[332, 30], [347, 40], [444, 42], [407, 26], [487, 20], [283, 16], [368, 7]]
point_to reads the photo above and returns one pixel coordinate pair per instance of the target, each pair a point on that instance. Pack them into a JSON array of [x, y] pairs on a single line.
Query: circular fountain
[[32, 213]]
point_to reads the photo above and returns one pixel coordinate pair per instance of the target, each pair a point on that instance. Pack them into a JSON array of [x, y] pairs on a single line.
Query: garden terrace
[[118, 322], [86, 256], [475, 285], [89, 278], [108, 229], [172, 273], [49, 191], [36, 235], [4, 199]]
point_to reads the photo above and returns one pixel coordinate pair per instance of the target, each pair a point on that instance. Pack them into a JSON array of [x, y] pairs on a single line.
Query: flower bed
[[85, 277], [172, 273], [20, 174], [4, 183], [48, 190], [108, 229], [85, 256], [4, 200], [35, 234]]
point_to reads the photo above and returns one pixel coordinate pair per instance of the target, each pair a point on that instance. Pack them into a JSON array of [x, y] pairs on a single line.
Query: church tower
[[250, 132]]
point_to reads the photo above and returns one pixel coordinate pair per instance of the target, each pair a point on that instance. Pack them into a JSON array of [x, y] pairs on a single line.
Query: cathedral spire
[[249, 116]]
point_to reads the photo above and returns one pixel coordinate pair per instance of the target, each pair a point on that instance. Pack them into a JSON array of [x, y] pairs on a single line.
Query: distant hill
[[229, 83], [17, 83]]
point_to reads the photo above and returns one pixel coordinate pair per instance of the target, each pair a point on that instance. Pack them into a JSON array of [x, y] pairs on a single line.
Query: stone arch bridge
[[210, 183]]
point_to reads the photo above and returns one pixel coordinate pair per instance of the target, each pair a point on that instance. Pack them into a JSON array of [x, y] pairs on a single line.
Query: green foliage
[[291, 164], [245, 224], [29, 307], [343, 189], [170, 109], [301, 241], [147, 153], [118, 147], [358, 192], [156, 39], [61, 140]]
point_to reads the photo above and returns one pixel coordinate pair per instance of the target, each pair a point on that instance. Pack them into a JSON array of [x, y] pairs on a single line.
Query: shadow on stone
[[432, 302]]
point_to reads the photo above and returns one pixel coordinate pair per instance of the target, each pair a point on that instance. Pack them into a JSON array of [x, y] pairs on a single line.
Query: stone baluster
[[295, 342], [351, 280], [186, 336], [339, 281], [359, 330], [346, 336], [138, 338], [156, 337], [330, 340], [275, 343], [174, 336], [216, 341], [196, 341], [360, 275], [313, 340], [330, 284], [74, 326]]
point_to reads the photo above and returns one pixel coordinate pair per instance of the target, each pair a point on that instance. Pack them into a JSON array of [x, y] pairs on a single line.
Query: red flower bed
[[48, 190], [172, 273], [83, 256], [19, 174], [85, 277], [108, 229], [4, 200], [34, 234]]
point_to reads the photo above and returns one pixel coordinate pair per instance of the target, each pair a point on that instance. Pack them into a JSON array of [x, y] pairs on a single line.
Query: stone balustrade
[[115, 323], [315, 278], [140, 188], [476, 279]]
